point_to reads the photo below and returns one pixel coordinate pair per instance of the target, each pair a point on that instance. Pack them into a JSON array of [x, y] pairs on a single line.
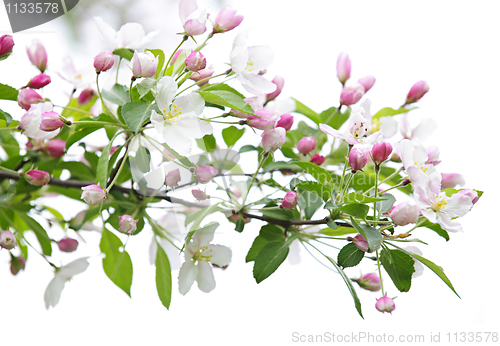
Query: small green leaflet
[[163, 277], [8, 93], [117, 264], [136, 114], [350, 256], [125, 53], [232, 134], [102, 166], [399, 266], [270, 258], [372, 236], [5, 116], [388, 111], [355, 209], [117, 95], [227, 99]]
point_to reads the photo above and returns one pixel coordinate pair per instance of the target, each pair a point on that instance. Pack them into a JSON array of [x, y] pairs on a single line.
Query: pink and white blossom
[[27, 97], [385, 304], [265, 119], [172, 178], [356, 131], [205, 174], [7, 240], [103, 61], [37, 177], [51, 121], [357, 160], [193, 18], [280, 82], [31, 120], [195, 61], [343, 67], [290, 200], [202, 74], [199, 194], [273, 139], [37, 55], [351, 94], [127, 224], [451, 180], [144, 64], [200, 254], [93, 194], [417, 91], [306, 145], [285, 121], [226, 20], [39, 81], [404, 213], [63, 275], [370, 282], [367, 82]]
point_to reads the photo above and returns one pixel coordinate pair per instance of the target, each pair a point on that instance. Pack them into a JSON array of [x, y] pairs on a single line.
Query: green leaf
[[267, 234], [80, 134], [117, 95], [143, 159], [136, 114], [78, 170], [125, 53], [309, 202], [227, 99], [181, 158], [321, 190], [163, 277], [304, 110], [280, 214], [117, 264], [102, 167], [77, 111], [222, 86], [349, 285], [355, 209], [41, 234], [388, 111], [334, 118], [354, 197], [372, 236], [145, 86], [339, 231], [350, 256], [161, 60], [386, 204], [232, 134], [436, 228], [5, 116], [270, 258], [240, 225], [399, 266], [318, 173], [8, 93]]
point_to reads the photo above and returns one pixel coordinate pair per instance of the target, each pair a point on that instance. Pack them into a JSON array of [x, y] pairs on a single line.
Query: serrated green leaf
[[222, 86], [399, 266], [163, 277], [270, 258], [227, 99], [321, 190], [8, 93], [355, 209], [388, 111], [117, 264], [145, 86], [350, 256], [232, 134], [318, 173], [136, 114], [125, 53], [102, 167], [117, 95], [280, 214], [372, 236], [5, 116], [309, 202]]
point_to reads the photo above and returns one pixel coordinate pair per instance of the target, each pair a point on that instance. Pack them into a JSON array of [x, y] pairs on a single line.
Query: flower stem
[[254, 177], [9, 170], [204, 80], [119, 170], [346, 162], [164, 72], [380, 274], [104, 107]]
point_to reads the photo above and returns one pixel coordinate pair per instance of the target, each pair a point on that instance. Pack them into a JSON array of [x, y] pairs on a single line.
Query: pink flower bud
[[85, 96], [103, 61], [205, 174], [93, 194], [39, 81], [226, 20], [280, 82], [67, 244], [37, 178], [367, 82], [202, 74], [451, 180], [55, 148], [318, 159], [385, 304], [416, 92], [195, 61], [17, 264], [370, 282], [360, 242], [27, 97], [273, 139], [266, 119], [343, 68], [290, 200], [199, 195], [6, 46], [172, 178], [471, 193], [357, 160], [37, 55], [286, 121], [381, 152], [306, 145], [51, 121], [7, 240], [144, 64], [404, 213], [127, 224], [352, 94]]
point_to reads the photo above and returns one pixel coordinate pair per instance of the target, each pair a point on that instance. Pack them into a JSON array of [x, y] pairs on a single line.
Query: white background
[[451, 45]]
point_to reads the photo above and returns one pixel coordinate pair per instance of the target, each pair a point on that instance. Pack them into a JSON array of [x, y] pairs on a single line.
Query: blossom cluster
[[328, 182]]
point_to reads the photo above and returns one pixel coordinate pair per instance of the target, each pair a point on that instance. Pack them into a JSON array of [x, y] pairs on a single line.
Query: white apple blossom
[[199, 255], [178, 120], [357, 129], [62, 275], [248, 63], [388, 126], [173, 225], [441, 209], [130, 35], [81, 78], [193, 18], [421, 132]]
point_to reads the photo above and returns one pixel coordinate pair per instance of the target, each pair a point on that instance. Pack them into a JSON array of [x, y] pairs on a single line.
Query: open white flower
[[357, 129], [173, 225], [248, 63], [178, 120], [31, 120], [130, 35], [199, 255], [64, 274], [80, 78]]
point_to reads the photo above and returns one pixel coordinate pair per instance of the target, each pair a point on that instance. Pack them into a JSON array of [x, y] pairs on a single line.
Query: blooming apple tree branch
[[177, 139]]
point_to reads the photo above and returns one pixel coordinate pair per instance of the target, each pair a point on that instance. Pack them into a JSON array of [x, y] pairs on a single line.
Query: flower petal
[[130, 36], [194, 127], [73, 268], [205, 278], [191, 103], [221, 255], [262, 57], [187, 275], [205, 235], [53, 291], [330, 131], [106, 33], [176, 139], [167, 88]]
